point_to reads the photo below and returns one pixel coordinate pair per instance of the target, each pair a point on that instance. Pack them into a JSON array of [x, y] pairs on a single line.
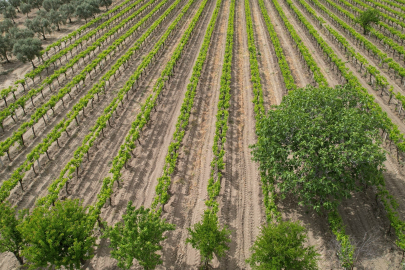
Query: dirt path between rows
[[40, 98], [41, 129], [82, 130], [301, 77], [189, 183], [240, 200], [358, 214], [141, 177], [270, 73]]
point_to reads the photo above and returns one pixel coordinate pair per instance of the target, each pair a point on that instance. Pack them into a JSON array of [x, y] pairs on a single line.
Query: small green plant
[[282, 246], [138, 237], [208, 238]]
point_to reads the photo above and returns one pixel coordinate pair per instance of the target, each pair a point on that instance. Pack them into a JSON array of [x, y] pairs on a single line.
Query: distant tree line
[[51, 14]]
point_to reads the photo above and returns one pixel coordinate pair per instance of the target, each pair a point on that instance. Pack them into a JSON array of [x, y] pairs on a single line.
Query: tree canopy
[[25, 8], [59, 236], [51, 4], [208, 238], [321, 144], [27, 49], [9, 13], [39, 25], [138, 237], [282, 246], [367, 17], [11, 239], [86, 10], [67, 11]]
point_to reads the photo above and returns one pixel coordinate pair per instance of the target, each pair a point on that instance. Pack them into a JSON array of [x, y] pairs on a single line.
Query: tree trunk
[[33, 64], [5, 56], [19, 258]]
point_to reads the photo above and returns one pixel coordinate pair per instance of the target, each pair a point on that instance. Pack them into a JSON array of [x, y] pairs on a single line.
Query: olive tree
[[9, 13], [56, 19], [39, 25], [27, 49], [25, 8], [67, 11], [15, 3], [86, 10], [51, 4], [6, 25]]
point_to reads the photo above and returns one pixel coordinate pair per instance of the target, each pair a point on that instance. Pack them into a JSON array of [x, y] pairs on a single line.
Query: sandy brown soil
[[51, 172], [41, 129], [358, 214], [240, 199], [39, 99]]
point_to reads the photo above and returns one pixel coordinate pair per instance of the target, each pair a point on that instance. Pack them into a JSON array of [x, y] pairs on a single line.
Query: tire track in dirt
[[240, 199], [140, 178], [189, 186], [49, 173], [42, 129]]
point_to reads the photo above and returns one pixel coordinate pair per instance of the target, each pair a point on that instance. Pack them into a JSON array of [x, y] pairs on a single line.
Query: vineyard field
[[159, 102]]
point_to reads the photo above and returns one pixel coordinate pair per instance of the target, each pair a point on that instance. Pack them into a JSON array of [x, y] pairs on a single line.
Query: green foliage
[[9, 13], [56, 18], [67, 11], [15, 3], [25, 8], [27, 49], [5, 25], [6, 46], [137, 237], [59, 236], [3, 5], [282, 246], [16, 33], [105, 3], [48, 5], [321, 144], [346, 252], [11, 239], [367, 17], [86, 10], [36, 3], [39, 25], [208, 238]]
